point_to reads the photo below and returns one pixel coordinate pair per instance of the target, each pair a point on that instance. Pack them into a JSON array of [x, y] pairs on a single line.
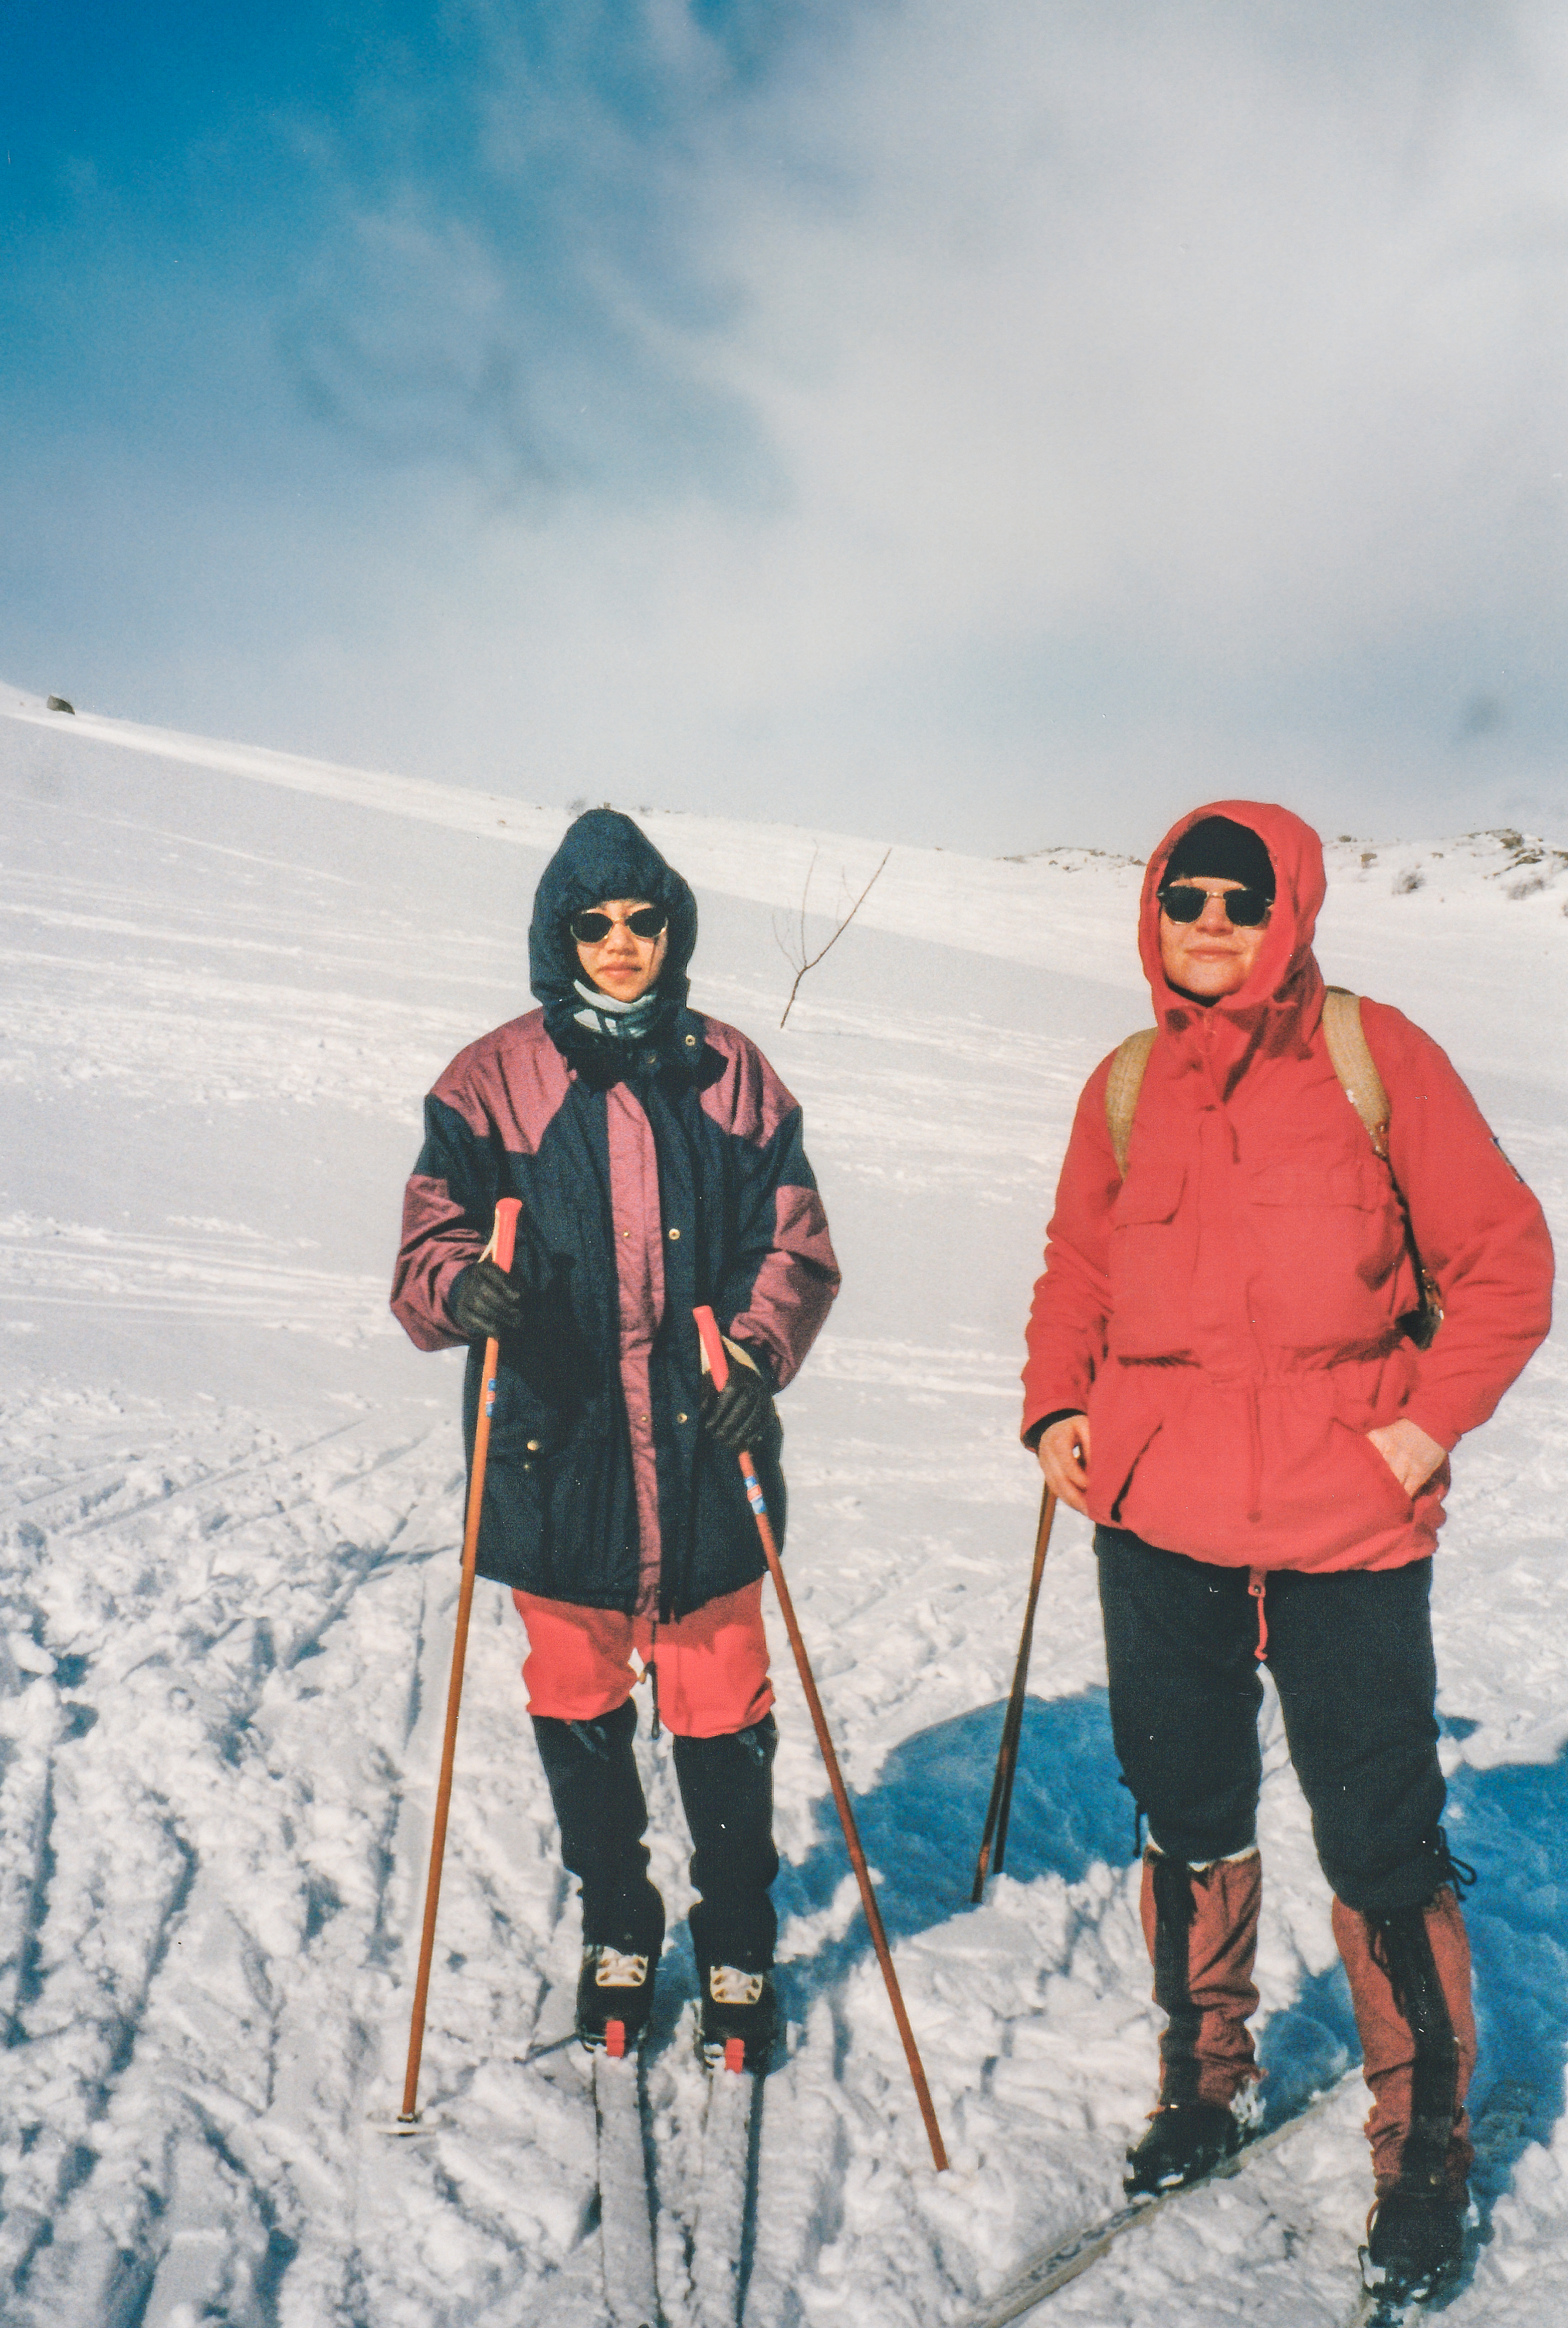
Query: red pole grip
[[712, 1341], [507, 1209]]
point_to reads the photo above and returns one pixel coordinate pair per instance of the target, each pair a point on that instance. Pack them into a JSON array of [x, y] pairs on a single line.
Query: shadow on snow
[[1511, 1823], [921, 1826]]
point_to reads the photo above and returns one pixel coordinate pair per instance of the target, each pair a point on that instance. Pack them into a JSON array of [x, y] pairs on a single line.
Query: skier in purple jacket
[[660, 1164]]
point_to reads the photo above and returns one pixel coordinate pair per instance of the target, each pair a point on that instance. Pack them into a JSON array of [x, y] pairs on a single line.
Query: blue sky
[[991, 425]]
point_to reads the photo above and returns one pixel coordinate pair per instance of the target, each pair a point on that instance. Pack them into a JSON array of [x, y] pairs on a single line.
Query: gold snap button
[[534, 1446], [680, 1418], [674, 1236], [691, 1042]]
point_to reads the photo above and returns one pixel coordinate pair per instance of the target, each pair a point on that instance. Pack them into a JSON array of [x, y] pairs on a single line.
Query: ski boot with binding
[[614, 1999], [738, 2018]]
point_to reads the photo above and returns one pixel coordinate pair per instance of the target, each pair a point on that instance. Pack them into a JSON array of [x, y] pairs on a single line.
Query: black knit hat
[[1217, 849]]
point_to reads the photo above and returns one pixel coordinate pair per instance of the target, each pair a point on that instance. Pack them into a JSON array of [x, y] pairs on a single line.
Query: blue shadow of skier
[[921, 1824], [1511, 1823]]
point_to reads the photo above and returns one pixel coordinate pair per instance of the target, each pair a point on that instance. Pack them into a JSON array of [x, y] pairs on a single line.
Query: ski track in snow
[[230, 1505]]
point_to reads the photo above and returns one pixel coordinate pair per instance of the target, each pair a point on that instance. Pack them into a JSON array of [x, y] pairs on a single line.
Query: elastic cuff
[[1037, 1430]]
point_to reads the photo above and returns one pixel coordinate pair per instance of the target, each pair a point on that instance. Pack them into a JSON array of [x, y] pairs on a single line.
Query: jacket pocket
[[1354, 1182], [1380, 1489], [1325, 1244], [1150, 1263]]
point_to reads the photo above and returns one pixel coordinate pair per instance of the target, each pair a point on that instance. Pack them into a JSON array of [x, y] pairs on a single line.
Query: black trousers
[[726, 1792], [1352, 1659]]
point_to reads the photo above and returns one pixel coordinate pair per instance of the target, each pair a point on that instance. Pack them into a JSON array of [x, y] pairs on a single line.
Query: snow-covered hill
[[229, 1566]]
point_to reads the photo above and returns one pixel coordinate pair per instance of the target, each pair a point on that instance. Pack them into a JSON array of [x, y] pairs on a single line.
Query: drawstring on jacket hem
[[1257, 1582], [1255, 1457]]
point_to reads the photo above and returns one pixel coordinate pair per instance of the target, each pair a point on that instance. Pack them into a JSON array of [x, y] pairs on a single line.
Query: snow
[[231, 1520]]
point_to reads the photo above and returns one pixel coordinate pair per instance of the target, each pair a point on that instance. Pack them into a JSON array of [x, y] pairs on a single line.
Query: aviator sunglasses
[[589, 928], [1245, 909]]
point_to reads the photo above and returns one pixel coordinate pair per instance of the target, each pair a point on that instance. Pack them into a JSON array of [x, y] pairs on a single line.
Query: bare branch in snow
[[796, 955]]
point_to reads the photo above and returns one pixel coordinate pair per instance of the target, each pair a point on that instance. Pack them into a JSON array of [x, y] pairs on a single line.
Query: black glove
[[488, 1301], [741, 1413]]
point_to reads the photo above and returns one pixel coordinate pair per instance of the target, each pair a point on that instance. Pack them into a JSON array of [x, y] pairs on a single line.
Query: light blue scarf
[[621, 1022]]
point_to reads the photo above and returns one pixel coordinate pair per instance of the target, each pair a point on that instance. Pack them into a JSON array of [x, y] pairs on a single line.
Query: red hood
[[1283, 996]]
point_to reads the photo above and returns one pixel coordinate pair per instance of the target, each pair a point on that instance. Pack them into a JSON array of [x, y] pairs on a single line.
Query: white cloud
[[982, 422]]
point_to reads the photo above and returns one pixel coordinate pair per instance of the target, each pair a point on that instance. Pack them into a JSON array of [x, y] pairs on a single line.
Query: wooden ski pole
[[1007, 1761], [499, 1250], [719, 1367]]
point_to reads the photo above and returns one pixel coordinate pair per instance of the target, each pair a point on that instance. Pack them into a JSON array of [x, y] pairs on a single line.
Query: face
[[1209, 957], [623, 965]]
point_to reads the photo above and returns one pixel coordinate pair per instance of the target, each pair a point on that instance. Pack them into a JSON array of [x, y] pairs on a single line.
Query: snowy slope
[[230, 1516]]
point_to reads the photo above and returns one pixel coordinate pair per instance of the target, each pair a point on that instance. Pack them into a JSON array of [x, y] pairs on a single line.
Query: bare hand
[[1064, 1458], [1409, 1453]]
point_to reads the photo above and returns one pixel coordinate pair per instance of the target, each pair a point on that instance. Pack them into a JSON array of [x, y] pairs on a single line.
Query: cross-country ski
[[625, 2217], [720, 2229], [1064, 2261]]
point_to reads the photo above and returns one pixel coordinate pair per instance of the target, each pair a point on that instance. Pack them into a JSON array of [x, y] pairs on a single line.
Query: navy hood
[[604, 855]]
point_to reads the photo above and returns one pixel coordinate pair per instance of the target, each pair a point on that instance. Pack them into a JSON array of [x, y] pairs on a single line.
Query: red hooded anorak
[[1228, 1315]]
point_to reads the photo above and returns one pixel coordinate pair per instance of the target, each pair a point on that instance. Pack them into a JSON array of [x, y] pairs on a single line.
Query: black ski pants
[[726, 1792], [1351, 1656]]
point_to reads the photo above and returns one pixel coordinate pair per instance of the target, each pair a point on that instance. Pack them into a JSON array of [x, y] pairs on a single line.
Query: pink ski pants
[[711, 1667]]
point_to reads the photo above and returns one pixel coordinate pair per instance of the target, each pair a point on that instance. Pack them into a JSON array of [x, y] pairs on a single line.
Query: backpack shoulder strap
[[1354, 1065], [1364, 1087], [1348, 1053], [1121, 1090]]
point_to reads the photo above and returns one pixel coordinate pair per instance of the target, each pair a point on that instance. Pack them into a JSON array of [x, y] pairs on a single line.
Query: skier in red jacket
[[1230, 1370]]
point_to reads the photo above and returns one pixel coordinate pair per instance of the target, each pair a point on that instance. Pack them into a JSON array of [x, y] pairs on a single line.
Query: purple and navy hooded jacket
[[654, 1174]]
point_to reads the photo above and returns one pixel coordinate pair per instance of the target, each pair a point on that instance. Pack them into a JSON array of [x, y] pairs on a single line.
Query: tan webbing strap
[[1363, 1086], [1354, 1065], [1348, 1054], [1121, 1090]]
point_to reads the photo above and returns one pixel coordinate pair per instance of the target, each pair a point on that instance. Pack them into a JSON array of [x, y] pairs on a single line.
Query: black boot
[[1185, 2141], [738, 2020], [614, 1997], [726, 1789], [1415, 2244], [603, 1817]]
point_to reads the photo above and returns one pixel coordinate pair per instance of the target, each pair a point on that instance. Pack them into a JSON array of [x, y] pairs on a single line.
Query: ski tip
[[735, 2054], [616, 2040]]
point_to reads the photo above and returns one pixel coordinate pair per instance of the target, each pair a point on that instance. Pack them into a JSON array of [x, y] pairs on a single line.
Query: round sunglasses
[[590, 928], [1245, 909]]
